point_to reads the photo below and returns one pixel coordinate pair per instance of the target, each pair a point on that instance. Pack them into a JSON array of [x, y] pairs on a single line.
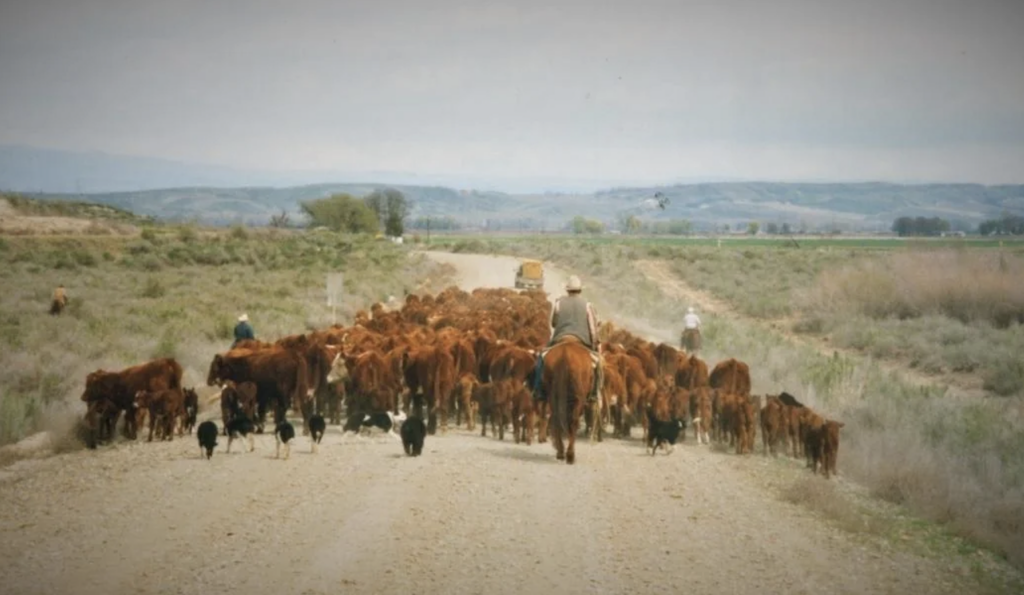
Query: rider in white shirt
[[691, 331]]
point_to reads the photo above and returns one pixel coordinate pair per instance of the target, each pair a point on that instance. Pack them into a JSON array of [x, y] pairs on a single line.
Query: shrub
[[148, 234], [1005, 378], [153, 288], [238, 232], [188, 234]]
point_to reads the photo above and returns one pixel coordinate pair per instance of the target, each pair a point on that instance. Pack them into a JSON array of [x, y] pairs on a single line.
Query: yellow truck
[[530, 275]]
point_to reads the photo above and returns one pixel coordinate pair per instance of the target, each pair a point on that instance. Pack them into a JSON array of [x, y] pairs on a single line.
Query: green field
[[809, 242]]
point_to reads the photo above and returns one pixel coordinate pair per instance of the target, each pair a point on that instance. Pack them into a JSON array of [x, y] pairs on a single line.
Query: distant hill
[[219, 196], [812, 207]]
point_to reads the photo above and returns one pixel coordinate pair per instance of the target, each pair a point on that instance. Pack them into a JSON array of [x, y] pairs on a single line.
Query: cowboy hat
[[574, 284], [243, 318]]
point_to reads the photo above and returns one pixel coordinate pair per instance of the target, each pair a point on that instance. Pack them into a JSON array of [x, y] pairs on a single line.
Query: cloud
[[591, 90]]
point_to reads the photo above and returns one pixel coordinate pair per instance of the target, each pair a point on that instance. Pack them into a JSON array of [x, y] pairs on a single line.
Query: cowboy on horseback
[[572, 316]]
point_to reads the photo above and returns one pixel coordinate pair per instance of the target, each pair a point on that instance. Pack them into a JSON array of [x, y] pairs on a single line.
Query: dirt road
[[472, 515]]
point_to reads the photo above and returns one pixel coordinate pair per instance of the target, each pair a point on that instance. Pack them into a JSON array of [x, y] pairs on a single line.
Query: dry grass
[[985, 286], [826, 499]]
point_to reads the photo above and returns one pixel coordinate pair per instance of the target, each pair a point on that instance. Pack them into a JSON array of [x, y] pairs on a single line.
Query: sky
[[637, 92]]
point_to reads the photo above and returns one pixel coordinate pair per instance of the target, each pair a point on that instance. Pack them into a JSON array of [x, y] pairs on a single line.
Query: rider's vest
[[571, 319]]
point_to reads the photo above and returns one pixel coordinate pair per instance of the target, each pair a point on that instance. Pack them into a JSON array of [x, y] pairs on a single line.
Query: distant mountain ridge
[[253, 197]]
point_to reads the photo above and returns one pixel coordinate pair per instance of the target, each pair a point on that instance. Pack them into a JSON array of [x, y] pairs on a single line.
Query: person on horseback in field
[[690, 340], [59, 301], [243, 330], [572, 315]]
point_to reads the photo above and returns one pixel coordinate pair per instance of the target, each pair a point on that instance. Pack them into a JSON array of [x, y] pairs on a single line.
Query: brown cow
[[191, 410], [732, 376], [492, 400], [773, 423], [237, 398], [121, 387], [279, 374], [467, 407], [524, 416], [701, 413], [812, 434], [433, 369], [165, 407], [693, 373], [830, 446]]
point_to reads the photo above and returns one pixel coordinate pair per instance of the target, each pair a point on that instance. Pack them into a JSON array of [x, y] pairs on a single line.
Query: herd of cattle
[[459, 357]]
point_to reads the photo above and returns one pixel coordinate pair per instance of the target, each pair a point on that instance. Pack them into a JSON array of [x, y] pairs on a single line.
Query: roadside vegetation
[[173, 291], [951, 460]]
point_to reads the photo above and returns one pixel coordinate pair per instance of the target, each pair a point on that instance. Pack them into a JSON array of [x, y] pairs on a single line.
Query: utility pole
[[428, 229]]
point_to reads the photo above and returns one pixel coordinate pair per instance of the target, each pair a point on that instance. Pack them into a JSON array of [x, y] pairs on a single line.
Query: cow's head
[[339, 367], [98, 385], [215, 377]]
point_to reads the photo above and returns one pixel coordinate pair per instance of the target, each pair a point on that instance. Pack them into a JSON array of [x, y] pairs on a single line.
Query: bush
[[187, 234], [238, 232], [1005, 377], [148, 234], [153, 288]]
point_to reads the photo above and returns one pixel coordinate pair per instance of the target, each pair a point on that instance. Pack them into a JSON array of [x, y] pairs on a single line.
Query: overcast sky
[[639, 91]]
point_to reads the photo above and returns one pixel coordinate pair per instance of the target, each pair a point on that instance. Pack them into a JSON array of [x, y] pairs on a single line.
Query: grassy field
[[955, 461], [727, 241], [175, 291]]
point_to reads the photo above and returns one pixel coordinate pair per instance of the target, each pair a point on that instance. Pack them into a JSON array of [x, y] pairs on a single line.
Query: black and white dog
[[413, 433], [284, 432], [385, 420], [241, 426], [317, 427], [663, 433], [207, 433]]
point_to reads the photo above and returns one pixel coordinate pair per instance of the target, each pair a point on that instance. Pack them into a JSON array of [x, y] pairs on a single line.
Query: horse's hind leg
[[556, 440], [574, 427]]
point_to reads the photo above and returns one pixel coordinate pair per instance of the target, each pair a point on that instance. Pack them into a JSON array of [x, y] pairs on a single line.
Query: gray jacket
[[573, 315]]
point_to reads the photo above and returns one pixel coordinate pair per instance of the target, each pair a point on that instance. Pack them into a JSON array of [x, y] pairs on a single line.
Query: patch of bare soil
[[958, 385], [472, 515]]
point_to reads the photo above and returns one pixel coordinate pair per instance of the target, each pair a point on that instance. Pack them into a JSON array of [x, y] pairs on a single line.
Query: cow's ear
[[840, 424]]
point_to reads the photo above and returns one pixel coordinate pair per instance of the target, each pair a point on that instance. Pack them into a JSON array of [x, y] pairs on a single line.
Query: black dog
[[241, 426], [207, 433], [413, 433], [663, 433], [317, 427], [284, 432]]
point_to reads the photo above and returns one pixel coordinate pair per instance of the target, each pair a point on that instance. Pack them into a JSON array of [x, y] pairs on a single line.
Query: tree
[[1007, 224], [919, 226], [630, 223], [581, 225], [772, 228], [785, 229], [341, 212], [391, 208], [281, 220], [752, 228]]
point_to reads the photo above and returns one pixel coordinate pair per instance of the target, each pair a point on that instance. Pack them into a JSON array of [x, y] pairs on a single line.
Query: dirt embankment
[[472, 515]]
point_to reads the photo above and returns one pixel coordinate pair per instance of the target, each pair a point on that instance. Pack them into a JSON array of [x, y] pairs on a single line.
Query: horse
[[566, 381]]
